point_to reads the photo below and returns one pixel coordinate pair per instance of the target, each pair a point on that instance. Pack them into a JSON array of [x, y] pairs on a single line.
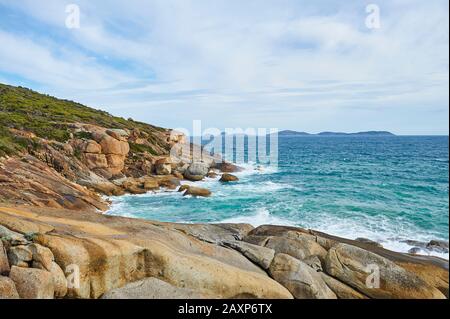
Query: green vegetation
[[47, 117], [139, 148]]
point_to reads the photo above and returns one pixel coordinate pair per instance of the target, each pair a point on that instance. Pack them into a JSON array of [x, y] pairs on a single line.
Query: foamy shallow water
[[387, 191]]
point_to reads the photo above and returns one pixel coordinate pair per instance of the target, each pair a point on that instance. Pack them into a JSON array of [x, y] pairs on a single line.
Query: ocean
[[391, 189]]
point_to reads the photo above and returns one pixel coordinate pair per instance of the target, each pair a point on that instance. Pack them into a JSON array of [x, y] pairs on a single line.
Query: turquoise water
[[388, 189]]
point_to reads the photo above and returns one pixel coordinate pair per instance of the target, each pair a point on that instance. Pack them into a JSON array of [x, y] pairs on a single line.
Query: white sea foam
[[262, 216], [254, 168], [388, 237]]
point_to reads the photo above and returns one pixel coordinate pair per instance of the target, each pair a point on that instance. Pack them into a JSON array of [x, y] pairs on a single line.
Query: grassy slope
[[24, 109]]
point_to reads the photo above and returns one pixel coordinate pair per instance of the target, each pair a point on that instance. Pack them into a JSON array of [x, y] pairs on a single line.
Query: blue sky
[[290, 64]]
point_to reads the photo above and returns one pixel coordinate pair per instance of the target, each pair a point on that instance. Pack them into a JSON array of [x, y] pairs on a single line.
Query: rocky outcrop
[[226, 178], [129, 250], [30, 181], [300, 279], [4, 263], [376, 276], [136, 257], [226, 167], [32, 283], [8, 288], [197, 192], [163, 166], [152, 288], [196, 171]]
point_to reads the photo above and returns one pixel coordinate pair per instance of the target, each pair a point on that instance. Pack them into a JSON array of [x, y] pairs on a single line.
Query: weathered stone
[[261, 256], [341, 290], [58, 276], [4, 263], [368, 241], [314, 262], [300, 248], [20, 255], [359, 268], [226, 167], [414, 250], [257, 240], [163, 166], [439, 246], [184, 187], [95, 160], [111, 145], [153, 288], [32, 283], [196, 171], [8, 289], [92, 147], [197, 192], [228, 178], [212, 175], [42, 255], [300, 279], [151, 184], [116, 163], [177, 174], [169, 182]]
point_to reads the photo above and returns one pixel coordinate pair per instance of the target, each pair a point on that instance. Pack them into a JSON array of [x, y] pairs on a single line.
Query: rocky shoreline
[[118, 257], [56, 243], [55, 231]]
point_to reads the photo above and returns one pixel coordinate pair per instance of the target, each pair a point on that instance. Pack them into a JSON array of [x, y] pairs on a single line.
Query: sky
[[288, 64]]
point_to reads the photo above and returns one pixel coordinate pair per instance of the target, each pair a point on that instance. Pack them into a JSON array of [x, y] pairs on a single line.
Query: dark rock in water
[[197, 191], [228, 167], [414, 243], [438, 246], [211, 175], [414, 250], [228, 178], [183, 188], [369, 242]]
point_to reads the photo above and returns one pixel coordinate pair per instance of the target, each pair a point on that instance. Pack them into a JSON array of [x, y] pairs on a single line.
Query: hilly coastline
[[366, 133], [60, 162]]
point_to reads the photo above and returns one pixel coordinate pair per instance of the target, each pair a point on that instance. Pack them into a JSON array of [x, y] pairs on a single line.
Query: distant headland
[[366, 133]]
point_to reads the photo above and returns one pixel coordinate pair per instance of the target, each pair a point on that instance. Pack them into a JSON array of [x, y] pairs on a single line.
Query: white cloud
[[228, 57]]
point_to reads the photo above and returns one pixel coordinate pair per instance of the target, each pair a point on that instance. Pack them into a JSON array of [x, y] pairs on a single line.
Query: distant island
[[367, 133]]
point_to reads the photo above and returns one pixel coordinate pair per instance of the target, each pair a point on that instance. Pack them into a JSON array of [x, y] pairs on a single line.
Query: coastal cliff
[[57, 159]]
